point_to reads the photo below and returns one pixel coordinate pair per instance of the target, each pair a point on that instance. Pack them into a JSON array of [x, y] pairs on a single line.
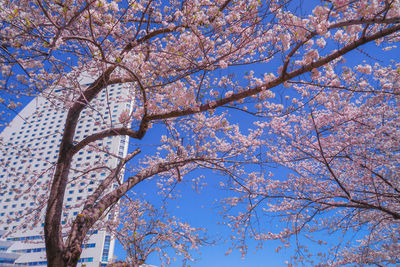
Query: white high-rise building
[[29, 148]]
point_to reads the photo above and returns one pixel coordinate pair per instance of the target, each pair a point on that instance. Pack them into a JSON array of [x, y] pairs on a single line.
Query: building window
[[85, 260], [106, 248], [90, 245]]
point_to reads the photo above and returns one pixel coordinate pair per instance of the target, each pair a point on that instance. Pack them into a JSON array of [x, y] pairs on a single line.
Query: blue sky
[[201, 210]]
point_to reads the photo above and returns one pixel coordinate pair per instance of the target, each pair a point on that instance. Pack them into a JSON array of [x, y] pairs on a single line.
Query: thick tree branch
[[280, 80], [91, 214], [106, 133]]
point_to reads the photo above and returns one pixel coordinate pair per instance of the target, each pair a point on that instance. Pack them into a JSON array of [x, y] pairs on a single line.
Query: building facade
[[28, 153]]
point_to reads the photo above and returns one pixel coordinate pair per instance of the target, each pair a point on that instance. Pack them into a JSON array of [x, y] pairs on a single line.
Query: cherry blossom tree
[[341, 147], [146, 230], [192, 66]]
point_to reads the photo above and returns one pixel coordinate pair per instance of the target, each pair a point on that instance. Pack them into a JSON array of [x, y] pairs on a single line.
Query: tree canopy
[[313, 80]]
